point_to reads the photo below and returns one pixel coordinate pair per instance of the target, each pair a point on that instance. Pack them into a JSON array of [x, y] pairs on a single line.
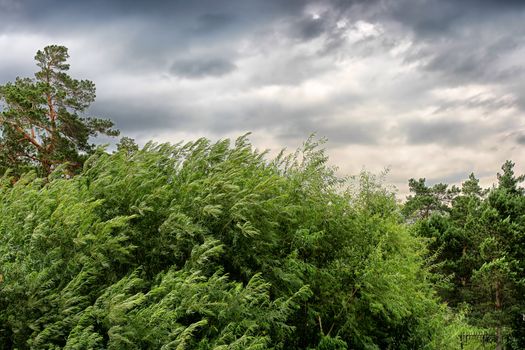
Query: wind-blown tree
[[211, 246], [41, 119]]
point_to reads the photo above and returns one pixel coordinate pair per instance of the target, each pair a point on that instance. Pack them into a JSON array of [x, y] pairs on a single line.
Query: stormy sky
[[427, 88]]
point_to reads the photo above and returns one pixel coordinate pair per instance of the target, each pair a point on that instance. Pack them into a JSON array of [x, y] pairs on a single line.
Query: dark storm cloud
[[163, 28], [210, 22], [202, 67], [210, 14], [471, 58], [148, 33], [462, 40], [151, 31], [308, 27], [437, 18]]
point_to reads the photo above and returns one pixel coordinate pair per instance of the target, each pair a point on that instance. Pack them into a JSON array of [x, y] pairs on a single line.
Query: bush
[[211, 246]]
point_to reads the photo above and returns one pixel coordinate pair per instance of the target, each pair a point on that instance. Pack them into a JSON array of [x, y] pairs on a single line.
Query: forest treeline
[[216, 245]]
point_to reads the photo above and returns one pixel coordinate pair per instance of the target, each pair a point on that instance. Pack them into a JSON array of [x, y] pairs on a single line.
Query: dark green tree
[[477, 241], [41, 120], [501, 278], [451, 225], [426, 200], [128, 145]]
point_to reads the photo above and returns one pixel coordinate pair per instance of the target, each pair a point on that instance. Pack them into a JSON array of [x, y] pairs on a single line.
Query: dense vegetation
[[209, 245], [478, 240]]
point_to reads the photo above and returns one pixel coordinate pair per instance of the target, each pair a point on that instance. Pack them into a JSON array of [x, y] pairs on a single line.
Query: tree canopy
[[478, 240], [212, 246]]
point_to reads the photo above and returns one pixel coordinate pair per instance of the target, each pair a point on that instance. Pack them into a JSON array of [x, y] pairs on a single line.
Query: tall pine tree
[[41, 119]]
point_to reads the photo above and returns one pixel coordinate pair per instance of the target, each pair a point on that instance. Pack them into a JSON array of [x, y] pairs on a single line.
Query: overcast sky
[[428, 88]]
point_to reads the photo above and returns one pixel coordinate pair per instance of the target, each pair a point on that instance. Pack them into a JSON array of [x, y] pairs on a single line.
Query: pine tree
[[501, 276], [41, 121], [427, 200], [478, 243]]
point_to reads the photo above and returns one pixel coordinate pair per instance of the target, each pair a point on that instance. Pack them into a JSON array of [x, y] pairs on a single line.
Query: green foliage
[[478, 243], [212, 246], [428, 200], [41, 122], [328, 343]]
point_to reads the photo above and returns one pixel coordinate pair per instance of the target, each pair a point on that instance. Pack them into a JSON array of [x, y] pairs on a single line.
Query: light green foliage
[[211, 246]]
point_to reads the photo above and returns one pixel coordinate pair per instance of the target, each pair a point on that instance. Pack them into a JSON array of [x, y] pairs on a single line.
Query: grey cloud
[[443, 18], [488, 105], [149, 33], [520, 139], [445, 132], [288, 122], [338, 134], [458, 177], [463, 40], [471, 60], [202, 67], [149, 115], [457, 41], [210, 22], [11, 71], [290, 70], [452, 178], [307, 28], [9, 5], [45, 14], [292, 124]]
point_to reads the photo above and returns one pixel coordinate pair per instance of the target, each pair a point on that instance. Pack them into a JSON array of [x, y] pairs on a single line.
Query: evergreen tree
[[41, 121], [501, 276], [427, 200], [478, 244]]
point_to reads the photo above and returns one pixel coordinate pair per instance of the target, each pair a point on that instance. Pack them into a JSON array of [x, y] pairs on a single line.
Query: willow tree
[[42, 121]]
